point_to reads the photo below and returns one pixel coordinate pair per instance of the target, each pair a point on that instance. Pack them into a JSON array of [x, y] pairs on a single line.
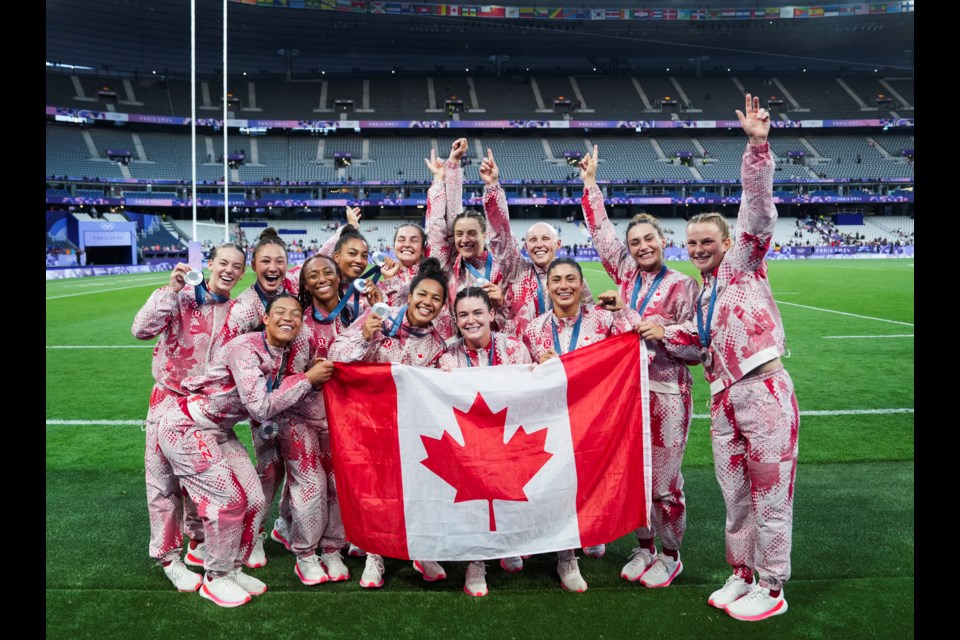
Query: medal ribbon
[[573, 338], [650, 292], [204, 295], [329, 318], [487, 270], [274, 379], [704, 334], [490, 356]]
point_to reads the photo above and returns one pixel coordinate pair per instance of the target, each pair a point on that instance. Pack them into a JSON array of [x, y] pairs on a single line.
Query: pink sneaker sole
[[426, 576], [478, 594], [205, 593], [637, 579], [276, 537], [333, 578], [673, 575], [508, 569], [309, 583], [777, 610]]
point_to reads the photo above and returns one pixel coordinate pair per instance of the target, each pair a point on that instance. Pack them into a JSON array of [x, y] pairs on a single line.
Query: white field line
[[898, 335], [95, 346], [699, 416], [101, 281], [844, 313], [87, 293]]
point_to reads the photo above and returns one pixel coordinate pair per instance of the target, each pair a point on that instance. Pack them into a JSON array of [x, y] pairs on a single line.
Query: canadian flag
[[489, 462]]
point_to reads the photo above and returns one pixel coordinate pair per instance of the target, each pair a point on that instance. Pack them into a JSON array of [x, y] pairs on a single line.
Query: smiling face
[[352, 258], [226, 269], [468, 237], [564, 284], [270, 265], [322, 282], [646, 246], [425, 303], [542, 243], [474, 319], [706, 245], [283, 321], [408, 246]]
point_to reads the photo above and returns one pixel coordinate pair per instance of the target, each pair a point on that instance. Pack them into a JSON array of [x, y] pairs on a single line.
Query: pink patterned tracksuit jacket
[[502, 257], [305, 445], [419, 347], [670, 303], [205, 453], [755, 419], [595, 325], [506, 349], [184, 324], [246, 314]]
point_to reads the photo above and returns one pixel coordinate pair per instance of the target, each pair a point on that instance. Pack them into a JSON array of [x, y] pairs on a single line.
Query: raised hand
[[458, 149], [489, 172], [435, 165], [588, 168], [755, 121], [353, 216]]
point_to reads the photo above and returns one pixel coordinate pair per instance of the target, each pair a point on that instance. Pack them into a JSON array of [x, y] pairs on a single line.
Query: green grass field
[[849, 326]]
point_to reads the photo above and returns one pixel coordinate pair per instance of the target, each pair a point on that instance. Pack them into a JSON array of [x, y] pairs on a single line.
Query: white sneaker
[[356, 552], [734, 588], [251, 585], [334, 566], [596, 551], [640, 561], [181, 577], [197, 555], [372, 577], [757, 605], [281, 533], [511, 565], [257, 556], [431, 570], [224, 592], [662, 572], [310, 571], [570, 578], [476, 582]]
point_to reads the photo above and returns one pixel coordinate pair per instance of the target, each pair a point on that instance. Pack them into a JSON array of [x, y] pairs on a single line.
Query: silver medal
[[193, 277]]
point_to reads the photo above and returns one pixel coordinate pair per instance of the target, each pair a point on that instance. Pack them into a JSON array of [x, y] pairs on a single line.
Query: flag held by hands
[[490, 462]]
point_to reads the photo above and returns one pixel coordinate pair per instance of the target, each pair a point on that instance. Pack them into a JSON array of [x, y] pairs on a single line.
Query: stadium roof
[[123, 35]]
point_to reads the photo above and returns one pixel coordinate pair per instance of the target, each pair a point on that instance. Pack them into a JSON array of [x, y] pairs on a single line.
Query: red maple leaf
[[486, 468]]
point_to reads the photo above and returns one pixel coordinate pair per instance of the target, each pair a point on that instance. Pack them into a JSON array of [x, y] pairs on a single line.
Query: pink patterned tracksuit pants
[[670, 416], [755, 424], [315, 510], [215, 469], [171, 512]]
